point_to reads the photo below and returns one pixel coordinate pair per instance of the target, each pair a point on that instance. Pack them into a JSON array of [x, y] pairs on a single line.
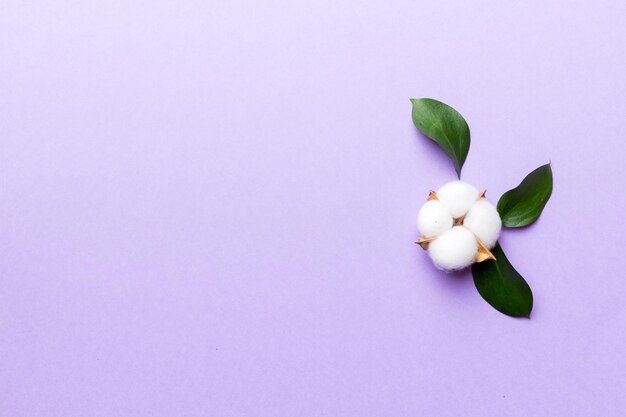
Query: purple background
[[208, 208]]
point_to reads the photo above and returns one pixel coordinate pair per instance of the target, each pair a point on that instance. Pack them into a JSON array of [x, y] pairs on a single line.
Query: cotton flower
[[458, 226]]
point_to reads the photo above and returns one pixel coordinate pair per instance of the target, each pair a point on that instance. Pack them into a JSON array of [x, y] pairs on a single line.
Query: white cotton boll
[[457, 197], [454, 249], [433, 219], [484, 221]]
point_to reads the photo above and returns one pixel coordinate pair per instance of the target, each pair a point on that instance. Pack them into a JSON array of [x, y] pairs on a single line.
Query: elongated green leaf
[[523, 204], [502, 286], [445, 126]]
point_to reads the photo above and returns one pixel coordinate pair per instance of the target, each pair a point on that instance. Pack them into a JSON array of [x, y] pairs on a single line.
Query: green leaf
[[445, 126], [523, 204], [502, 286]]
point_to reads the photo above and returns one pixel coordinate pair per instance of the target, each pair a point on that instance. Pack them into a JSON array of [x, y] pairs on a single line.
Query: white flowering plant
[[459, 227]]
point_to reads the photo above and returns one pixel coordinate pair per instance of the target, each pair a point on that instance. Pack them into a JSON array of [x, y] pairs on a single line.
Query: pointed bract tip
[[424, 241]]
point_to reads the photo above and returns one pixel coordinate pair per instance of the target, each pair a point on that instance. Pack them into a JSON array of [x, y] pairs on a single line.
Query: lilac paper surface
[[208, 208]]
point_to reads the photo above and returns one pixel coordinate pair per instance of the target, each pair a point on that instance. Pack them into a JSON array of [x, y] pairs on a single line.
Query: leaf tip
[[549, 165]]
